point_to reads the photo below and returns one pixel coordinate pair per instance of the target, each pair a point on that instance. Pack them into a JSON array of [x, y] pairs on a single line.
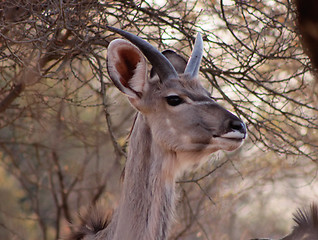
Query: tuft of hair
[[306, 227], [307, 218], [92, 221]]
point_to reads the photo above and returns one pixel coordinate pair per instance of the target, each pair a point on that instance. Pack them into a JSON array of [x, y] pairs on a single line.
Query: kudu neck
[[147, 202]]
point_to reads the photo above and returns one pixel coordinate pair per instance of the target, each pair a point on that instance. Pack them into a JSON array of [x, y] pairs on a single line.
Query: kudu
[[306, 227], [177, 126]]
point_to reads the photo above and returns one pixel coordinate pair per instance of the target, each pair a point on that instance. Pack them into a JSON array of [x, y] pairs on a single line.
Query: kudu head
[[179, 111]]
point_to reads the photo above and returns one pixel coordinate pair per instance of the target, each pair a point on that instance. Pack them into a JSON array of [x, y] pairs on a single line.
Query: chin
[[226, 144]]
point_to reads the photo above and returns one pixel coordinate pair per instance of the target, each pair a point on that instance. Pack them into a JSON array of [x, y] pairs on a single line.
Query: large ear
[[127, 68], [179, 63]]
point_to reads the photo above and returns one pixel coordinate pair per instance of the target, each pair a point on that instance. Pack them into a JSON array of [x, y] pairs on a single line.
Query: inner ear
[[127, 67], [127, 64]]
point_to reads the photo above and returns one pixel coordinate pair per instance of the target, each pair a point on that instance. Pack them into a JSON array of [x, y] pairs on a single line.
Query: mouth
[[230, 140], [232, 136]]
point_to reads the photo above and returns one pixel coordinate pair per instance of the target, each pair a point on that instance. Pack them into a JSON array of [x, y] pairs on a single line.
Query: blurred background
[[64, 127]]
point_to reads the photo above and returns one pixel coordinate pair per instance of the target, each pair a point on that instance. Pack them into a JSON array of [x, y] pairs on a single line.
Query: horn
[[160, 63], [194, 62]]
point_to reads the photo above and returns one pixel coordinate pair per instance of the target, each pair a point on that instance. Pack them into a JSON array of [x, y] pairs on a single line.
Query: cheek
[[179, 140], [167, 134], [177, 133], [167, 137]]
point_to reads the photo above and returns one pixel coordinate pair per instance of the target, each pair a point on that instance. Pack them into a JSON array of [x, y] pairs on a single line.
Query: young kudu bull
[[178, 126]]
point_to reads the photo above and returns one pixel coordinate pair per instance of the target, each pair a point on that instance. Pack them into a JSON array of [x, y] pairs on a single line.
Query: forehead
[[181, 86]]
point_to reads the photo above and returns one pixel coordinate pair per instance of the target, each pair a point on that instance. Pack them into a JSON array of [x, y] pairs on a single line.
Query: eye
[[174, 100]]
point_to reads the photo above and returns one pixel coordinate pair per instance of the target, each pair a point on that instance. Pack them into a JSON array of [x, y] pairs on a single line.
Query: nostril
[[238, 126]]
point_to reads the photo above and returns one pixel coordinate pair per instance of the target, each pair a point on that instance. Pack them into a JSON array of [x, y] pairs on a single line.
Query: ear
[[127, 68], [179, 63]]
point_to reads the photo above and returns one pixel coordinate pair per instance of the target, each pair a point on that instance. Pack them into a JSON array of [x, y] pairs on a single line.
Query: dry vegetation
[[64, 128]]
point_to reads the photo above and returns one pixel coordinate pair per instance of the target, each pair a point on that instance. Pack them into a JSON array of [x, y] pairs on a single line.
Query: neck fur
[[147, 202]]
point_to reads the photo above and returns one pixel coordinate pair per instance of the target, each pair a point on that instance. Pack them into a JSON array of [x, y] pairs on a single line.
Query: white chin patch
[[233, 135], [229, 141]]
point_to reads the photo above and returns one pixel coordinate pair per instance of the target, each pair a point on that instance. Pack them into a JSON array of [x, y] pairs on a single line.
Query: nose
[[237, 125]]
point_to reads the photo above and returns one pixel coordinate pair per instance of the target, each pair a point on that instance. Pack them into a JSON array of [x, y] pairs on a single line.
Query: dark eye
[[174, 100]]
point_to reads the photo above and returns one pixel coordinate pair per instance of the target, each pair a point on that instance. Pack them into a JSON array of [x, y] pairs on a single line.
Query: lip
[[233, 139], [232, 136]]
